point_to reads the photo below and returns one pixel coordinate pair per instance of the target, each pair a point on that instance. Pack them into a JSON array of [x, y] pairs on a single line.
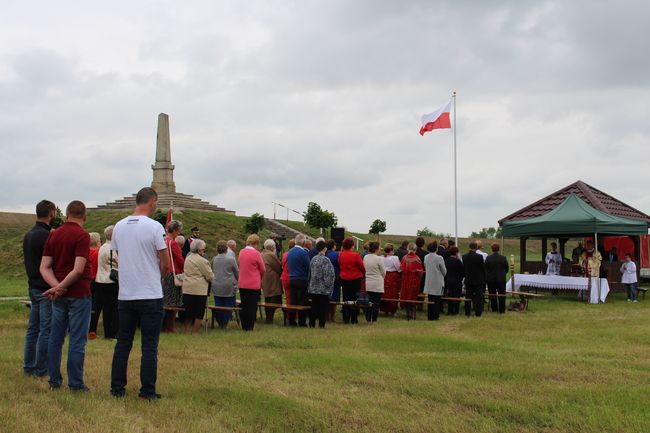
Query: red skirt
[[391, 291]]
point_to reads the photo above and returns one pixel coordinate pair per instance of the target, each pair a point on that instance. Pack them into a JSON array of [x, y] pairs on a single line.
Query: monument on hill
[[163, 179], [163, 170]]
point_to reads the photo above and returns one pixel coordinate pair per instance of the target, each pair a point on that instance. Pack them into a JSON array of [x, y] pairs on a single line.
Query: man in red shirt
[[66, 269]]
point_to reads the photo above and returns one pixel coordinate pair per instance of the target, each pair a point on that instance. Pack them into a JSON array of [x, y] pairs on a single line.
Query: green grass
[[562, 366]]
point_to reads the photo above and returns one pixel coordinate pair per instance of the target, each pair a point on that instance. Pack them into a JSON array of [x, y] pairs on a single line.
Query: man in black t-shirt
[[40, 314]]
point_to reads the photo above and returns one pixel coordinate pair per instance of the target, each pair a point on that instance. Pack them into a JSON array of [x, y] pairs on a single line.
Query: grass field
[[563, 366]]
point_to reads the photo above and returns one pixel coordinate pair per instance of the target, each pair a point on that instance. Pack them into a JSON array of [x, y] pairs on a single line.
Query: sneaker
[[55, 387], [635, 301], [152, 397], [92, 335], [118, 394], [629, 300]]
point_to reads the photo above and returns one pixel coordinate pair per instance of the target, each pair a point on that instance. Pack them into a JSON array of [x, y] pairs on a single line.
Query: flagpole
[[455, 176]]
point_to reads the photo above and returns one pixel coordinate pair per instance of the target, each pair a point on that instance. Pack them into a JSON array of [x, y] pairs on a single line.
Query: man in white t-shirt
[[140, 242]]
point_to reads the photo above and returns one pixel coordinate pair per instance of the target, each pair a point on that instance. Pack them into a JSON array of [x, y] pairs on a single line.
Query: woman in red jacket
[[352, 272], [412, 271], [172, 294]]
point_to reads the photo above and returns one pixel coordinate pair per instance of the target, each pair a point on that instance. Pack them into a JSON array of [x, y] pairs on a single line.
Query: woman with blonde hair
[[106, 289], [93, 259], [251, 271]]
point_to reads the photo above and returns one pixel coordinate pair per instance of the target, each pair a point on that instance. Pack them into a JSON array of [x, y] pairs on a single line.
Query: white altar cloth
[[562, 283]]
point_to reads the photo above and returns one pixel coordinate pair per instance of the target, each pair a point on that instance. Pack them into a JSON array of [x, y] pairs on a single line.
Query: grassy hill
[[511, 246], [214, 226]]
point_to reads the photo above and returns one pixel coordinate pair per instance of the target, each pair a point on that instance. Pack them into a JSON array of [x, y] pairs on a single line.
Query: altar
[[559, 282]]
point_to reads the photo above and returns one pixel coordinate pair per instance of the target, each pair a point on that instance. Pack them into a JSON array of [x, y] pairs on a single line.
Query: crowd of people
[[144, 274]]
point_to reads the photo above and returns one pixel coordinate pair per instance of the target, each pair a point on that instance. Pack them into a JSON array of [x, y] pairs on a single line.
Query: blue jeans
[[38, 334], [631, 291], [148, 313], [73, 315]]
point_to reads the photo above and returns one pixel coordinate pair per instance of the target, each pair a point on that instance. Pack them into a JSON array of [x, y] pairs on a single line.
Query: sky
[[299, 101]]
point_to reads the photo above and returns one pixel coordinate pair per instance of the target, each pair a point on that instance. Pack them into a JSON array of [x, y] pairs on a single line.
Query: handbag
[[363, 300], [113, 274], [178, 278]]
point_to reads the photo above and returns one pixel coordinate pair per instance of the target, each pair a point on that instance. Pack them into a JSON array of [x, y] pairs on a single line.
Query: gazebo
[[577, 210]]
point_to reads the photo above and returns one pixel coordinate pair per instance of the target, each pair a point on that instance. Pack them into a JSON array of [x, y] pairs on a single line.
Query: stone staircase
[[283, 230], [165, 200]]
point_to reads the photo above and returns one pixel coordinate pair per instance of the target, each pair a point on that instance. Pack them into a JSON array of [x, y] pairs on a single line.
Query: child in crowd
[[628, 277]]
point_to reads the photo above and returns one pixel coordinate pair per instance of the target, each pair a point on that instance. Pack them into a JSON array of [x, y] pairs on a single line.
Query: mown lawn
[[563, 366]]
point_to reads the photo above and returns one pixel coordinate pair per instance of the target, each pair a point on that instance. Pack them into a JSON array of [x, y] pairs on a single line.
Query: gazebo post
[[522, 253], [544, 250], [563, 242], [636, 240]]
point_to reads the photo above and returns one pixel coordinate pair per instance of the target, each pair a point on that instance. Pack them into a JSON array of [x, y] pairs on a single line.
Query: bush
[[255, 223]]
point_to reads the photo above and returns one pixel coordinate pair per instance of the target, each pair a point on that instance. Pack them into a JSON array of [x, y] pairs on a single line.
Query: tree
[[160, 216], [255, 223], [425, 232], [58, 219], [487, 233], [319, 218], [377, 226]]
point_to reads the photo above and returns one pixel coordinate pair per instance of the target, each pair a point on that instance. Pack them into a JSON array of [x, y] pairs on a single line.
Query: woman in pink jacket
[[251, 270]]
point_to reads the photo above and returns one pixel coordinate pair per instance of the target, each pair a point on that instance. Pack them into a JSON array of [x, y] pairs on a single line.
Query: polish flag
[[439, 119]]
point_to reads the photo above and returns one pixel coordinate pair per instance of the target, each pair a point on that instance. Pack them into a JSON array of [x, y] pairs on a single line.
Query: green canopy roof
[[574, 217]]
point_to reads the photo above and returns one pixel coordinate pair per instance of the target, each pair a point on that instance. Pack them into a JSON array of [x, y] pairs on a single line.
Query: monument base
[[165, 201]]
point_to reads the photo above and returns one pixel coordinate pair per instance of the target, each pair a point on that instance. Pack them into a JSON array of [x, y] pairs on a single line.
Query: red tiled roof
[[588, 193]]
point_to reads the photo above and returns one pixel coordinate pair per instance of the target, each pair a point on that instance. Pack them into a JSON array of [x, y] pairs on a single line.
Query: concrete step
[[283, 230], [165, 200]]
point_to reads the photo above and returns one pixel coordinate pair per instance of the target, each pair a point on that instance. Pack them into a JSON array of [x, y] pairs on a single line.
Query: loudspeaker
[[338, 234]]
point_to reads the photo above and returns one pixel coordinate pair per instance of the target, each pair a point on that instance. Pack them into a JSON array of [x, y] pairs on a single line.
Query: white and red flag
[[438, 119]]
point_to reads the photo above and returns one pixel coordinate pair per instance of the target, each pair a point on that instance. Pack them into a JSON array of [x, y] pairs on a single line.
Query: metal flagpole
[[455, 176]]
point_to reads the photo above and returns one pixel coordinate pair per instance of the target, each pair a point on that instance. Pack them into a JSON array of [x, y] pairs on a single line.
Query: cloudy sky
[[298, 101]]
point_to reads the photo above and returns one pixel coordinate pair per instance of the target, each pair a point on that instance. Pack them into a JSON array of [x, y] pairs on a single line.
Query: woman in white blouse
[[375, 273]]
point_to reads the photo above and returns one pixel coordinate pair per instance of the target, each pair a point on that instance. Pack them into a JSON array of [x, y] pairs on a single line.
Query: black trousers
[[299, 296], [475, 294], [105, 301], [249, 300], [270, 312], [497, 303], [433, 310], [373, 312], [453, 291], [319, 307], [350, 290]]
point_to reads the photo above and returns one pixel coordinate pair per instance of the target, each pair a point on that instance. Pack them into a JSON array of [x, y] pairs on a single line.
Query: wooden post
[[522, 254], [563, 242], [637, 255]]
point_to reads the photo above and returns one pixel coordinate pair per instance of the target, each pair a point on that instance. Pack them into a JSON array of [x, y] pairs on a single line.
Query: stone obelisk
[[163, 170]]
